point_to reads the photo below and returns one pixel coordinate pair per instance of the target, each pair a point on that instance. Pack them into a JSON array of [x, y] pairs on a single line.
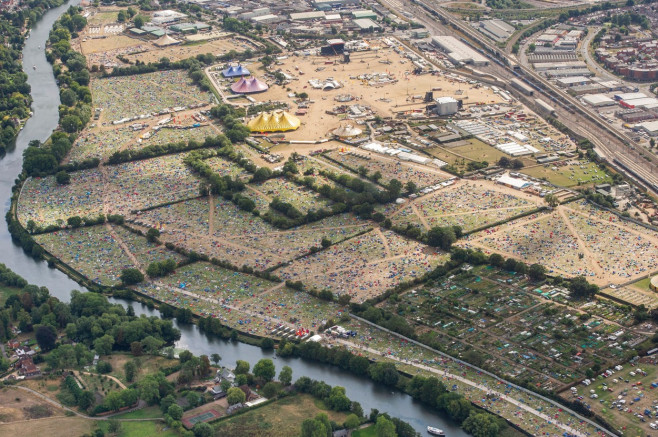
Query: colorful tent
[[248, 86], [277, 121], [236, 71], [165, 40]]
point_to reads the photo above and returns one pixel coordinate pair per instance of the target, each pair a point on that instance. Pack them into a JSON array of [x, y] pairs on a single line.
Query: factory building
[[598, 100], [458, 52]]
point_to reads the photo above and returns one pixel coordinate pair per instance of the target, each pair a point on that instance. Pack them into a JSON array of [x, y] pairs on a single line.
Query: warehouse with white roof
[[598, 100], [458, 52]]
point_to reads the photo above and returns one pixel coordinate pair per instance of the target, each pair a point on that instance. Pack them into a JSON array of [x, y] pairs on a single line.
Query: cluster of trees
[[70, 68], [121, 156], [515, 164], [626, 19], [433, 393], [229, 117], [72, 394], [161, 268], [91, 321], [579, 288], [15, 99]]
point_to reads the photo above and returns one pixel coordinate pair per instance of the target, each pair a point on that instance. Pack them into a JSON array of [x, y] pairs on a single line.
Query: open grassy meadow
[[282, 418]]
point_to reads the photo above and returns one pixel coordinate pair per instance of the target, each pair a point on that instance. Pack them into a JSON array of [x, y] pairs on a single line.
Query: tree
[[46, 337], [138, 21], [267, 343], [113, 426], [442, 237], [68, 97], [320, 426], [74, 222], [103, 345], [581, 289], [265, 369], [175, 411], [352, 421], [63, 178], [152, 234], [481, 425], [551, 200], [131, 276], [384, 427], [241, 367], [285, 376], [215, 358], [71, 123], [537, 272], [325, 243], [166, 402], [235, 396], [271, 389], [203, 429], [411, 187], [130, 369], [121, 16], [386, 373]]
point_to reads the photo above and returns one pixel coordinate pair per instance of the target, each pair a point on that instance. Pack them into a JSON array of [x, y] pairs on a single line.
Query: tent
[[249, 86], [165, 40], [277, 121], [235, 71], [347, 131]]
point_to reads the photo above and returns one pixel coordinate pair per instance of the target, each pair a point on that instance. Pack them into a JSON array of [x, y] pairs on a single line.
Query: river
[[46, 100]]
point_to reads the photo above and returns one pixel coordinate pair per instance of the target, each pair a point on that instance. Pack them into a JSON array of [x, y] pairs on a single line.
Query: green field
[[281, 418], [642, 284], [145, 413], [141, 429], [365, 432], [571, 175], [6, 292]]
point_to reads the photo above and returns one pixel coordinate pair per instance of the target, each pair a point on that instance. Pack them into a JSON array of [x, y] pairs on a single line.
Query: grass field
[[6, 292], [365, 432], [146, 364], [642, 284], [579, 173], [282, 418], [145, 413], [141, 429]]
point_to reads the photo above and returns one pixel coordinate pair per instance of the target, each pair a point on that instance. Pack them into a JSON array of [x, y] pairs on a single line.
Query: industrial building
[[568, 82], [364, 14], [365, 24], [324, 5], [447, 106], [312, 15], [166, 17], [497, 30], [458, 52], [650, 127], [598, 100]]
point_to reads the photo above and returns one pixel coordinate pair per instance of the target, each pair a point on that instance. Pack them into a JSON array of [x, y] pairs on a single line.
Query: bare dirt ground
[[52, 427], [18, 405], [384, 100]]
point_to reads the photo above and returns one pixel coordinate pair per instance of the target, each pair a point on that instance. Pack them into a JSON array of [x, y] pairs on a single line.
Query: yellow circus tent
[[277, 121]]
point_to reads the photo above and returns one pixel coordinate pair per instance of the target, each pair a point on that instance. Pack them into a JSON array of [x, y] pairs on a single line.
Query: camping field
[[467, 204], [130, 96], [389, 168]]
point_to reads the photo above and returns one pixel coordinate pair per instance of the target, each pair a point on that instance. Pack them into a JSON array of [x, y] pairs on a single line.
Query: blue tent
[[236, 71]]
